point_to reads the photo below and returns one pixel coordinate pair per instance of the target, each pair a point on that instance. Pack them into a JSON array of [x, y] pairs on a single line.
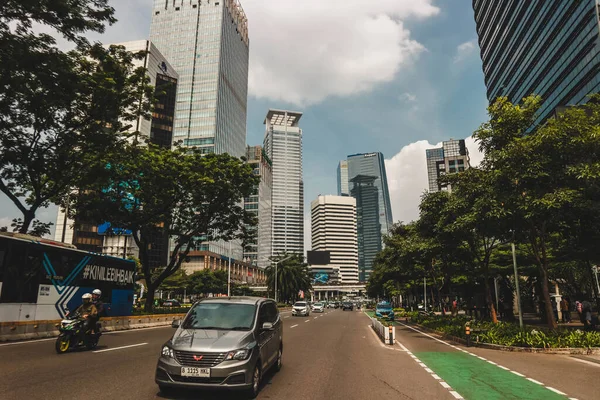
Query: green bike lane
[[469, 375]]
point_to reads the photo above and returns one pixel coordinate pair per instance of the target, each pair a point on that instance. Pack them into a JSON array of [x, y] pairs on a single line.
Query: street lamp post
[[276, 265], [514, 254], [229, 273]]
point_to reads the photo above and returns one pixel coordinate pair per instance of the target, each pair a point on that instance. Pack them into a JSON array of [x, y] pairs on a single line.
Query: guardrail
[[387, 334], [24, 330]]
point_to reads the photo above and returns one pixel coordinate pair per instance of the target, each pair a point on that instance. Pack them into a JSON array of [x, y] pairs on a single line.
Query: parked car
[[347, 305], [384, 310], [216, 346], [301, 308], [171, 303], [318, 307]]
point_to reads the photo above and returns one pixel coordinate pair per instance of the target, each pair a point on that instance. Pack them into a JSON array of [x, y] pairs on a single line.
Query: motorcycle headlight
[[241, 354], [167, 352]]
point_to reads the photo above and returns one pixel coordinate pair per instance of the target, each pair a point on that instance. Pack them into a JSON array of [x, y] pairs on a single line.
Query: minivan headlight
[[167, 352], [241, 354]]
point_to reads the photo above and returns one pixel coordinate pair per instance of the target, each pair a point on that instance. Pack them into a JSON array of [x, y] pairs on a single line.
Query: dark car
[[171, 303], [347, 305], [223, 343]]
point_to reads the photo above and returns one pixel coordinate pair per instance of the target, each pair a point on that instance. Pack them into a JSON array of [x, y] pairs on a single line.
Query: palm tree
[[293, 276]]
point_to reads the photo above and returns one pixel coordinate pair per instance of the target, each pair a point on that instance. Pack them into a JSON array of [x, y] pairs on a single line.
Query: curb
[[515, 349]]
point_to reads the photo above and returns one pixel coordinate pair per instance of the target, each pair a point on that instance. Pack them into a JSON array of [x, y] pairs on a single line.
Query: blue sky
[[396, 76]]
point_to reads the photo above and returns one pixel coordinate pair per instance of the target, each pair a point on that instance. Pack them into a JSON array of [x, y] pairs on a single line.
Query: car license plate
[[195, 372]]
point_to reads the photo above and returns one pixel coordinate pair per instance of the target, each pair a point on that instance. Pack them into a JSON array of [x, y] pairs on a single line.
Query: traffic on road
[[245, 348]]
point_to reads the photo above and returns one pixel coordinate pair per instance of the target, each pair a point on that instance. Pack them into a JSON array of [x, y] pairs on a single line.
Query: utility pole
[[514, 254], [425, 294], [229, 273]]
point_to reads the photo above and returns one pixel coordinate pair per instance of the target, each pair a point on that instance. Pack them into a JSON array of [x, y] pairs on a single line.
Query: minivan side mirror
[[176, 323], [267, 326]]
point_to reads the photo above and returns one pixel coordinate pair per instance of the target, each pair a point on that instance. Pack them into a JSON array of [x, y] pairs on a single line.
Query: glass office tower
[[548, 48], [207, 44], [368, 226], [342, 179]]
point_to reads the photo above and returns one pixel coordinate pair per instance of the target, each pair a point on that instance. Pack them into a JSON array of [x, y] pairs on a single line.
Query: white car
[[318, 307], [301, 308]]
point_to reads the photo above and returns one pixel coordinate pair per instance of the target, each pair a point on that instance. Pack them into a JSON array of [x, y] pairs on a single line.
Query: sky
[[396, 76]]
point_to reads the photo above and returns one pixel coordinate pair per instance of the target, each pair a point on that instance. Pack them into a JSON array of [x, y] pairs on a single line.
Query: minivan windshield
[[221, 316]]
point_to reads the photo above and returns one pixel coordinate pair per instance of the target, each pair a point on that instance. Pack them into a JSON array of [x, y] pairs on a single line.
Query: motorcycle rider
[[96, 294], [88, 311]]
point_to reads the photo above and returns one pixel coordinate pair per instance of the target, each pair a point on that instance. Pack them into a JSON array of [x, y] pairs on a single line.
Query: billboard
[[318, 257]]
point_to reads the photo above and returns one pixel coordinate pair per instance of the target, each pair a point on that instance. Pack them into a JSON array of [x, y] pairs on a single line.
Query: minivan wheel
[[253, 391]]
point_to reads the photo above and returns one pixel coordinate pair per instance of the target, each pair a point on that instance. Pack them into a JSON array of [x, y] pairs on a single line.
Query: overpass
[[324, 292]]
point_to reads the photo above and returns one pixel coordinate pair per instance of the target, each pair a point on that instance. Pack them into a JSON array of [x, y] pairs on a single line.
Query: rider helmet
[[86, 298], [97, 292]]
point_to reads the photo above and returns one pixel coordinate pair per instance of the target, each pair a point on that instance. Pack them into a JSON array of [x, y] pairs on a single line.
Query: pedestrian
[[454, 308], [586, 308], [579, 308], [564, 309]]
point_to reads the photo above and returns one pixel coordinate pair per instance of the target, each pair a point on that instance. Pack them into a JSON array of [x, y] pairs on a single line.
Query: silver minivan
[[223, 343]]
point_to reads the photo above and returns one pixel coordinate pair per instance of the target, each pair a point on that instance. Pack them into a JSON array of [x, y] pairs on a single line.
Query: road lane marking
[[26, 342], [308, 320], [445, 385], [315, 317], [581, 361], [119, 348], [491, 362], [436, 377], [455, 394], [293, 326], [286, 316]]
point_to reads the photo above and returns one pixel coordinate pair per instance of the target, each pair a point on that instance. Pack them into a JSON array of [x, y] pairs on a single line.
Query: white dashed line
[[436, 377], [308, 320], [293, 326], [445, 385], [429, 370], [458, 396]]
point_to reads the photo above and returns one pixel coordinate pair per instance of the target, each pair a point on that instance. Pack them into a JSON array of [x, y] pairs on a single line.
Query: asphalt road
[[334, 355]]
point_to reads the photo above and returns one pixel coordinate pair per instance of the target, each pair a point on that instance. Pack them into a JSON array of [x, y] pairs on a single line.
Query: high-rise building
[[452, 157], [207, 43], [333, 229], [368, 223], [548, 48], [283, 145], [373, 164], [157, 130], [342, 179], [258, 249]]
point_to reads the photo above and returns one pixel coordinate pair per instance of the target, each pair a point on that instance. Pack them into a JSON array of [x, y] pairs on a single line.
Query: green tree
[[292, 277], [59, 112], [207, 281], [182, 193], [177, 283]]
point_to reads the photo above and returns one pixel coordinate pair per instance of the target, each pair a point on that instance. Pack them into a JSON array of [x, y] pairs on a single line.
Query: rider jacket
[[99, 308], [88, 309]]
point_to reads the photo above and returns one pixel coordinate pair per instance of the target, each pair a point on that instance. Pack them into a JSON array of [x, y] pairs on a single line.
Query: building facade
[[207, 42], [157, 130], [333, 229], [342, 179], [547, 48], [368, 223], [258, 249], [283, 146], [452, 157]]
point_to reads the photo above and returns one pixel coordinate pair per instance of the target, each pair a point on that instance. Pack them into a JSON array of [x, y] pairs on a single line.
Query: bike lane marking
[[478, 378]]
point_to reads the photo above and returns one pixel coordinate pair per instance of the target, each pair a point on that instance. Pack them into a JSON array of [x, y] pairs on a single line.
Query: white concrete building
[[333, 229], [283, 146]]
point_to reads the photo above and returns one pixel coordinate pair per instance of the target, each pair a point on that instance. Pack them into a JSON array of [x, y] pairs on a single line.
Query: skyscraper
[[283, 145], [452, 157], [342, 179], [368, 226], [333, 229], [548, 48], [258, 250], [207, 43], [373, 164], [158, 130]]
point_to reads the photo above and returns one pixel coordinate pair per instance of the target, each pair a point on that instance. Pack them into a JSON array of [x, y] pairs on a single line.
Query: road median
[[27, 330]]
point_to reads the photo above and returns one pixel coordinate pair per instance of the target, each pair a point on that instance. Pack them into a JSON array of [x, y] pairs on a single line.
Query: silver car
[[226, 342], [318, 307]]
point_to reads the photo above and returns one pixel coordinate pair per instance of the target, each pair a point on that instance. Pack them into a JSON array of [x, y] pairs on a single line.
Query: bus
[[43, 279]]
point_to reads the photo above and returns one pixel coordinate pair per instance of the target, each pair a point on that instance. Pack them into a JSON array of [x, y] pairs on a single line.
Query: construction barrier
[[387, 334]]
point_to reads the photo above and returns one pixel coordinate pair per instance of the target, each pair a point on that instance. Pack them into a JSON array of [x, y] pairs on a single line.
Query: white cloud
[[407, 177], [465, 50], [407, 97], [303, 52]]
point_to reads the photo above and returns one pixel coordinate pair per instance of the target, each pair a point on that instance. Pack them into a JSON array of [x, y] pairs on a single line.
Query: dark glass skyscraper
[[548, 48], [365, 191]]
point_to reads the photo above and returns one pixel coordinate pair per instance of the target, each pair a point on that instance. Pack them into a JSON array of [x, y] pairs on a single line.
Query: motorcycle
[[71, 336]]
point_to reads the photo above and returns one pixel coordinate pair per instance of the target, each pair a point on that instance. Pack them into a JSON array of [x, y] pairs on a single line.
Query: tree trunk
[[149, 304], [27, 220], [547, 301], [489, 300], [593, 281]]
